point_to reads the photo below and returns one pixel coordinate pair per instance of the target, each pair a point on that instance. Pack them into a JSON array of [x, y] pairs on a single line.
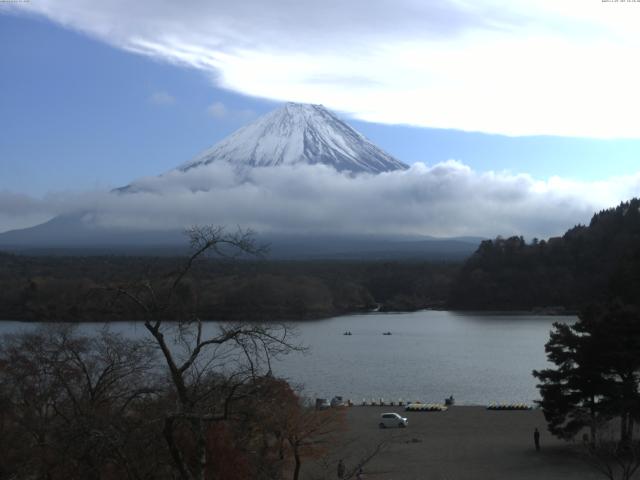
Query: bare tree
[[307, 431], [613, 458], [76, 404], [209, 368], [355, 453]]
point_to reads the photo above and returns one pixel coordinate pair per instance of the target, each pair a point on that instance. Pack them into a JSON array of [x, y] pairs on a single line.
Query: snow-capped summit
[[299, 133]]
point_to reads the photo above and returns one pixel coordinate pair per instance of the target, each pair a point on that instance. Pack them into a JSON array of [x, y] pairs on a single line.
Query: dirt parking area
[[459, 444]]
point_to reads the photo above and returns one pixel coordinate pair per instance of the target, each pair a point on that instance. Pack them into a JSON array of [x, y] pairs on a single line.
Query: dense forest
[[74, 288], [588, 264]]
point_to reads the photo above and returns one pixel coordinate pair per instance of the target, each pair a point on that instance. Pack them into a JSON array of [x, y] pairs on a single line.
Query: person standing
[[536, 439], [341, 469]]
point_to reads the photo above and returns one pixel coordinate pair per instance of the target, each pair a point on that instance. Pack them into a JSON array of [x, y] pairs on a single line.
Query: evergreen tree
[[571, 393], [617, 334], [597, 372]]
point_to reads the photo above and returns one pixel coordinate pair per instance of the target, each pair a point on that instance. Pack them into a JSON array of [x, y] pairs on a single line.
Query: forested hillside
[[82, 288], [587, 264]]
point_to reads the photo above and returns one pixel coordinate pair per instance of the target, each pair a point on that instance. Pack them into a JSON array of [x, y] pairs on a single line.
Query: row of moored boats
[[349, 333]]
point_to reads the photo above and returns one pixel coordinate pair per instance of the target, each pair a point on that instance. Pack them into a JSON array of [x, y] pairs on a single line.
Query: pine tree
[[597, 373], [571, 393]]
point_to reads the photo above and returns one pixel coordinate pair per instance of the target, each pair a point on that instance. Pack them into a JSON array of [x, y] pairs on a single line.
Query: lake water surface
[[477, 358]]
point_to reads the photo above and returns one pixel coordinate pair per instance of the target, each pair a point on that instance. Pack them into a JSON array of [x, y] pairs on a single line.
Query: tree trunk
[[296, 456], [201, 449], [594, 423], [178, 459], [625, 424]]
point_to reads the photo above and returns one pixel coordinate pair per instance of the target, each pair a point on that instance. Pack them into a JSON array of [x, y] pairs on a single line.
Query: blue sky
[[518, 118], [77, 113]]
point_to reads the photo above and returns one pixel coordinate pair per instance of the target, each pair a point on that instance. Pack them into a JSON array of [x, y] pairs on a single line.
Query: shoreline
[[566, 313]]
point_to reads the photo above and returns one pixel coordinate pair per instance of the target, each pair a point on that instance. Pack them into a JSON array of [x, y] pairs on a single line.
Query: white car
[[392, 420]]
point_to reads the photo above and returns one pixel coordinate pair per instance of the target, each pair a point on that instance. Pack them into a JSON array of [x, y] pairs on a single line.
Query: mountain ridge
[[299, 133], [71, 235]]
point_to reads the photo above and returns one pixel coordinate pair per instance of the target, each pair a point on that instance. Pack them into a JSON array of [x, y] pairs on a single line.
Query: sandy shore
[[461, 443]]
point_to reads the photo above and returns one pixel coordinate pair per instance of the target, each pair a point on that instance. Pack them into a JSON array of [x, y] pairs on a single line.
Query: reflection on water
[[477, 358]]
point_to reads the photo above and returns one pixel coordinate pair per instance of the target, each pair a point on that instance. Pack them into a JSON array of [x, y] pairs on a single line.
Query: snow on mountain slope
[[299, 133]]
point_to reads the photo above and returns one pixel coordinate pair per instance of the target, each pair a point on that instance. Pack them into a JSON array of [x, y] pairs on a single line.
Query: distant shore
[[566, 313], [540, 312]]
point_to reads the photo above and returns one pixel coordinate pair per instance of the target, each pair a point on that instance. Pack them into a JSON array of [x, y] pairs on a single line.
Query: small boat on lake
[[386, 333]]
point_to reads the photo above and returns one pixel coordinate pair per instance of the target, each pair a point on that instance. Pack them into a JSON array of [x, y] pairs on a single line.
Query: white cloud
[[220, 111], [446, 199], [162, 98], [18, 210], [546, 67], [217, 110]]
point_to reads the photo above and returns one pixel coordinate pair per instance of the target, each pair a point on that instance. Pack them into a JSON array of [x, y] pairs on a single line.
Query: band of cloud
[[447, 199]]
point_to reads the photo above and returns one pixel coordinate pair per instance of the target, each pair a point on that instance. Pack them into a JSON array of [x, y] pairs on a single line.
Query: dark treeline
[[76, 288], [588, 264]]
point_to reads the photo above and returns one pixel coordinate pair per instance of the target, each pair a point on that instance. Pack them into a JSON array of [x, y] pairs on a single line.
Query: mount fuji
[[295, 134], [299, 133], [291, 135]]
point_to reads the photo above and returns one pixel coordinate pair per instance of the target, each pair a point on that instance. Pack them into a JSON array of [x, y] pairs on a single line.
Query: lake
[[479, 358]]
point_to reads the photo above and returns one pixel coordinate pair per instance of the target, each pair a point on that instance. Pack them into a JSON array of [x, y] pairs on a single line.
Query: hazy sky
[[96, 94]]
